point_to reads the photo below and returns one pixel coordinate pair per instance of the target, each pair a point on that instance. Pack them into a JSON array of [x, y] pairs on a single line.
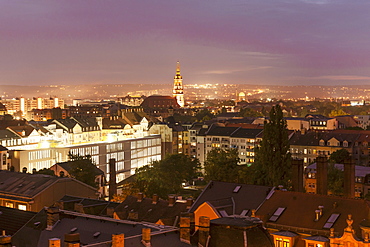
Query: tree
[[45, 171], [335, 180], [222, 165], [249, 112], [82, 169], [339, 156], [204, 115], [335, 175], [272, 165], [167, 175]]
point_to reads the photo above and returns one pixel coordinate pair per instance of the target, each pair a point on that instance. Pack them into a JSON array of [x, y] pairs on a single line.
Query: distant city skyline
[[269, 42]]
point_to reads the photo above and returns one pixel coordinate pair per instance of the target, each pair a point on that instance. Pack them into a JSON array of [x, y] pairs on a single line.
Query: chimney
[[110, 211], [112, 178], [322, 175], [189, 202], [78, 207], [204, 224], [140, 197], [5, 240], [297, 175], [185, 229], [52, 217], [155, 199], [118, 240], [59, 204], [72, 240], [171, 200], [317, 215], [146, 237], [54, 242], [321, 208], [349, 178]]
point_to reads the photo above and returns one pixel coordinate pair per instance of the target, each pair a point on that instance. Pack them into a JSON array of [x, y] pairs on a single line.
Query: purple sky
[[220, 41]]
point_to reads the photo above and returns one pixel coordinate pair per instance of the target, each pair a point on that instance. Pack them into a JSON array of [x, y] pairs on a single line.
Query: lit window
[[9, 204], [22, 207]]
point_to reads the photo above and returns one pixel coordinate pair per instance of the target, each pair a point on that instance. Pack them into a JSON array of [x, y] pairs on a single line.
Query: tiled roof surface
[[300, 209], [222, 194]]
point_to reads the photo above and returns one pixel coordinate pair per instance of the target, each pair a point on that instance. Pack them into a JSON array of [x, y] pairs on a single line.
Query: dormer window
[[322, 142], [345, 144]]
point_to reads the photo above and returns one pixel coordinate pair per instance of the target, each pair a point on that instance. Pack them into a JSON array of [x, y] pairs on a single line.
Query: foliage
[[339, 156], [249, 112], [82, 169], [222, 165], [337, 112], [45, 171], [128, 189], [204, 115], [272, 165], [167, 175], [335, 180]]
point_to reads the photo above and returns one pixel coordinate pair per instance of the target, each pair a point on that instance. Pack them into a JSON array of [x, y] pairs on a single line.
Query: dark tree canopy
[[83, 169], [222, 165], [167, 175], [339, 156], [335, 180], [272, 165]]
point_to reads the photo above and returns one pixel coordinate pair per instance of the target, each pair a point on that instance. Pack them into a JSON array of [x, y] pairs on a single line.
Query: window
[[237, 188], [244, 212], [277, 214], [279, 242], [22, 207], [331, 221], [9, 204], [223, 213]]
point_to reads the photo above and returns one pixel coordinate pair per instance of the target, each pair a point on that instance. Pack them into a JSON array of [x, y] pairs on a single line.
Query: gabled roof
[[34, 233], [25, 186], [11, 219], [90, 206], [149, 212], [246, 133], [24, 130], [68, 166], [7, 134], [67, 124], [299, 212], [221, 131], [114, 123], [312, 138], [222, 195]]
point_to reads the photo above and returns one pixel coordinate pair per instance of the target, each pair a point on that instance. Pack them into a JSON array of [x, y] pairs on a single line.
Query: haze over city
[[270, 42]]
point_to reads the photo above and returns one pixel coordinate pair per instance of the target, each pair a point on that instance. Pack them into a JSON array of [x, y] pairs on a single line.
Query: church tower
[[178, 91]]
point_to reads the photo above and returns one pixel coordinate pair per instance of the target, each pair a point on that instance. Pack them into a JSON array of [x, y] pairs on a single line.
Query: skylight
[[237, 188], [277, 214], [223, 213], [331, 221], [244, 212]]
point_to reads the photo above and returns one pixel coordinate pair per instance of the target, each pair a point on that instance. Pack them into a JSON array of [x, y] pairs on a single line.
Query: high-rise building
[[178, 91]]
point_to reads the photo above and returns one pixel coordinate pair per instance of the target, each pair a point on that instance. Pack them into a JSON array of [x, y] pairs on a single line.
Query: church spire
[[178, 68], [178, 92]]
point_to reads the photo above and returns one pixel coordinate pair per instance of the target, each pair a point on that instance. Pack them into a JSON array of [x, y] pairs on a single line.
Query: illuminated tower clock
[[178, 91]]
